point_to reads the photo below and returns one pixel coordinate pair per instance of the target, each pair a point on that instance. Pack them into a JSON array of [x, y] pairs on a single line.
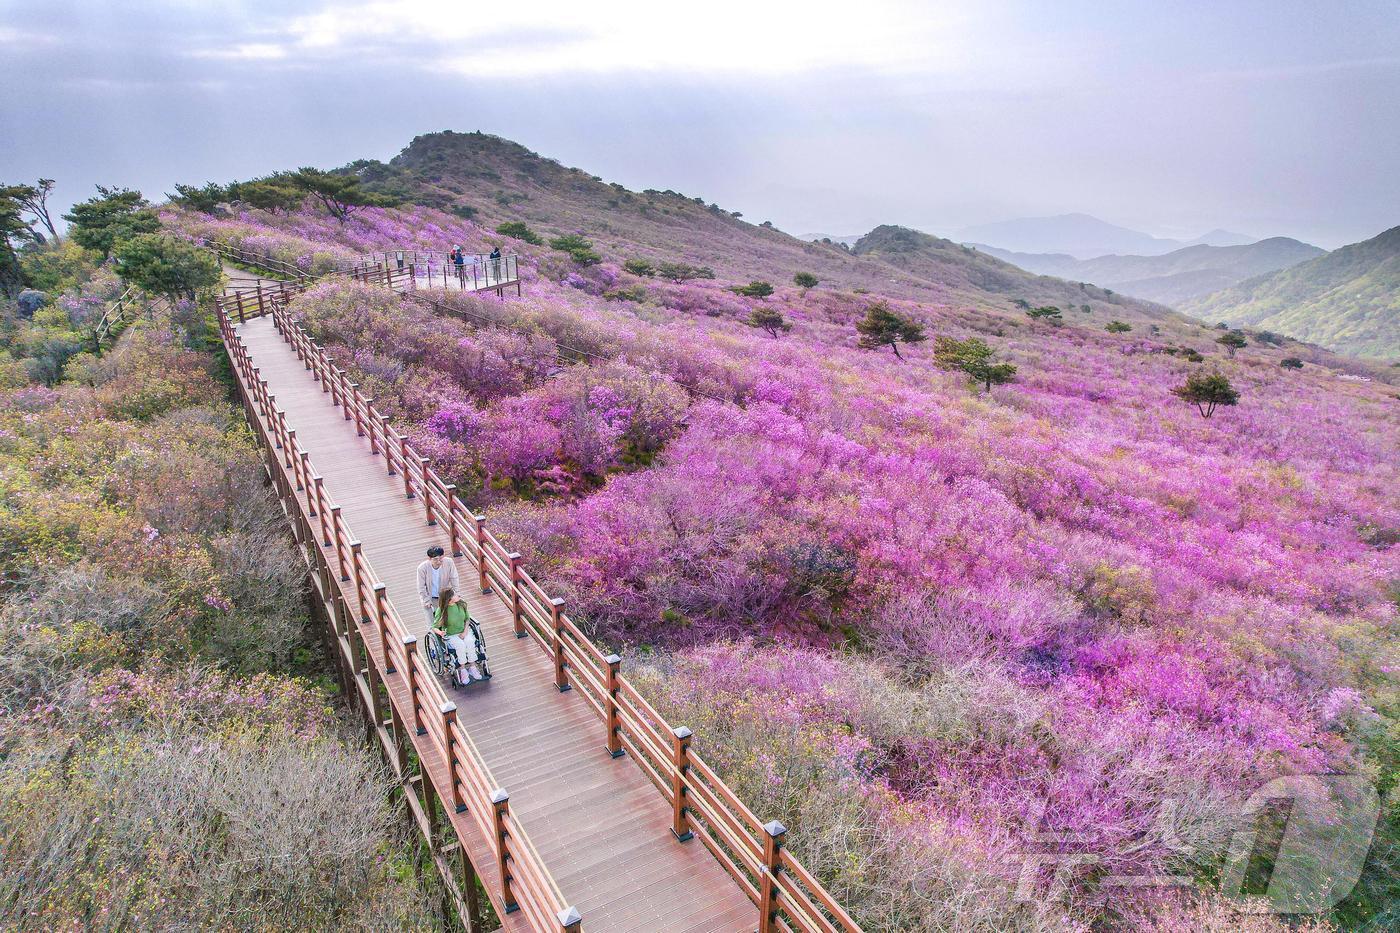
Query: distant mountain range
[[1084, 237], [1171, 278], [848, 239], [1347, 300]]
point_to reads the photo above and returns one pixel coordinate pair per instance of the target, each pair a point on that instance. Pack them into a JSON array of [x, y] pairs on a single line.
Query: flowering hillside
[[940, 631]]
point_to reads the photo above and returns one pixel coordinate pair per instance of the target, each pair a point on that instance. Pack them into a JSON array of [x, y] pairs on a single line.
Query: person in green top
[[450, 621]]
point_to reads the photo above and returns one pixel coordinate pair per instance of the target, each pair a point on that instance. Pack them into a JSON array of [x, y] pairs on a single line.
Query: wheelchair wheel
[[437, 654]]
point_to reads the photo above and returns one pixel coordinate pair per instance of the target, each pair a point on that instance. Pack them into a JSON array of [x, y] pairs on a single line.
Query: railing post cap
[[556, 601], [380, 587], [499, 795], [569, 916], [355, 543], [614, 659], [410, 639], [774, 828], [513, 555], [682, 733], [479, 518], [448, 707]]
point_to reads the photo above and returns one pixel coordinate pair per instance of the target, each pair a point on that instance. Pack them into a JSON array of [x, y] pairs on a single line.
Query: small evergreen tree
[[1117, 327], [268, 194], [1047, 313], [114, 214], [163, 265], [570, 242], [1232, 340], [640, 267], [805, 280], [882, 327], [1291, 362], [681, 272], [1022, 303], [340, 195], [974, 357], [1207, 391], [754, 289], [518, 230], [34, 200], [769, 319], [206, 200]]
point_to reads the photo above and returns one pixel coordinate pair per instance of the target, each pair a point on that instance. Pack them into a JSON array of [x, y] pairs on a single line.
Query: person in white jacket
[[435, 575]]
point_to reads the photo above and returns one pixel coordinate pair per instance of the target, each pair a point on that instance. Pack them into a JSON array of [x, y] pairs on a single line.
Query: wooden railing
[[477, 272], [114, 316], [265, 261], [525, 883], [703, 807]]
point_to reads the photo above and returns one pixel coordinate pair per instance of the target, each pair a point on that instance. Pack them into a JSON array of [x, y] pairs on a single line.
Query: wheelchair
[[443, 661]]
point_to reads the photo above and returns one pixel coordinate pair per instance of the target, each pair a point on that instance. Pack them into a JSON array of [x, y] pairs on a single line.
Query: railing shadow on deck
[[785, 893]]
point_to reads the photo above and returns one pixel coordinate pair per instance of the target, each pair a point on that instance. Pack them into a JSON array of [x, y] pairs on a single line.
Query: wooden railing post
[[481, 552], [373, 437], [336, 529], [410, 648], [449, 718], [517, 615], [356, 558], [561, 676], [320, 485], [500, 801], [768, 879], [427, 491], [403, 460], [454, 538], [381, 612], [680, 761], [610, 702], [290, 452], [359, 413]]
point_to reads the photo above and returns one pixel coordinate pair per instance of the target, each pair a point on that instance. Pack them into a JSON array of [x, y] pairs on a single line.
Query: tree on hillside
[[769, 319], [754, 289], [1291, 362], [882, 327], [14, 233], [639, 267], [570, 242], [340, 195], [114, 214], [1207, 391], [160, 264], [974, 357], [34, 200], [1047, 313], [518, 230], [205, 199], [1022, 303], [268, 194], [805, 280], [1117, 327], [1232, 340], [682, 272]]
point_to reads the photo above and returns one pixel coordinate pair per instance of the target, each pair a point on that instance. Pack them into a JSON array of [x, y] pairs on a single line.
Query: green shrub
[[517, 230], [570, 242], [1117, 327], [805, 280], [755, 289], [639, 267]]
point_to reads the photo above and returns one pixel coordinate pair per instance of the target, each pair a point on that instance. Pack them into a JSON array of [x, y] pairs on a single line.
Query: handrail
[[113, 316], [526, 882], [702, 805]]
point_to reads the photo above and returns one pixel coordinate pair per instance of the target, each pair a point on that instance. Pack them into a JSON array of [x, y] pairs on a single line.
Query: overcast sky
[[1267, 118]]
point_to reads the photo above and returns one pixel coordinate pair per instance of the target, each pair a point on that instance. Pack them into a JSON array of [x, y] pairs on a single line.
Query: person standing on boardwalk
[[459, 259], [496, 263], [436, 575]]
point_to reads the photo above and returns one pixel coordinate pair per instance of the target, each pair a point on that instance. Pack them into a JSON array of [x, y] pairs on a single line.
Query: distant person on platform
[[459, 259], [496, 263], [436, 575]]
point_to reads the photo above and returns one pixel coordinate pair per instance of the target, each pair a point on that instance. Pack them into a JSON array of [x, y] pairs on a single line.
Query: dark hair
[[435, 551], [444, 598]]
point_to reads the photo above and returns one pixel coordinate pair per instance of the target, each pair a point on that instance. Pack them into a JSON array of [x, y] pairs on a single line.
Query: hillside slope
[[494, 180], [1347, 300], [1171, 278]]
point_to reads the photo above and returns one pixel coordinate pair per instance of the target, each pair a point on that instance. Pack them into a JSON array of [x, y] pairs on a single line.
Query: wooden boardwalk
[[598, 824]]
